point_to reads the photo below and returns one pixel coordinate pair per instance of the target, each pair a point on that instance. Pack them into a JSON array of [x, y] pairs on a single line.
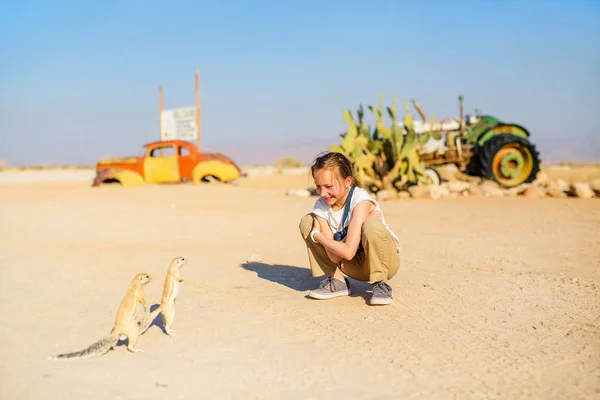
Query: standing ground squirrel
[[125, 325], [167, 301]]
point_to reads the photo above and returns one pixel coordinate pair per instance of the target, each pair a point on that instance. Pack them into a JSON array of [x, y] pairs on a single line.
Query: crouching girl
[[346, 234]]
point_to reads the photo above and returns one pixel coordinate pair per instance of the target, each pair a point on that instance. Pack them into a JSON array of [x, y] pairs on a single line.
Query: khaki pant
[[378, 262]]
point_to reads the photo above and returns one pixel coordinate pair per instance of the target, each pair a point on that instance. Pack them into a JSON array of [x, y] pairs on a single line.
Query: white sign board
[[442, 125], [179, 123]]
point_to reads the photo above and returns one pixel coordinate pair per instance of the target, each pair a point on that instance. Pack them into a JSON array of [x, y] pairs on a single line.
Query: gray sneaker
[[331, 288], [382, 294]]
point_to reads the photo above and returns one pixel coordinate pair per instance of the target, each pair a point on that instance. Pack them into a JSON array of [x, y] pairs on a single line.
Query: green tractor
[[480, 146]]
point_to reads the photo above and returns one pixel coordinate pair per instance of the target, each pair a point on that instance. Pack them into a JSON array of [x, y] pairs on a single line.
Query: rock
[[556, 187], [582, 190], [384, 195], [491, 189], [447, 172], [436, 192], [260, 171], [517, 190], [298, 193], [467, 178], [456, 186], [403, 195], [555, 192], [490, 183], [254, 258], [541, 179], [492, 192], [475, 191], [418, 192], [561, 185], [595, 185], [534, 192]]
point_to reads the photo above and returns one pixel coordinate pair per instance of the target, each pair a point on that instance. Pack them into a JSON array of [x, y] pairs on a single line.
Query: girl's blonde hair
[[337, 162]]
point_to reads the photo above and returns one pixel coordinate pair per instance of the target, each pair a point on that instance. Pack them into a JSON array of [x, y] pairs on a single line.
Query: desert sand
[[496, 298]]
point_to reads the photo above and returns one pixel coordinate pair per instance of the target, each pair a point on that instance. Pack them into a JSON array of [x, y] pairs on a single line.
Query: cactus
[[413, 170], [387, 155], [355, 144]]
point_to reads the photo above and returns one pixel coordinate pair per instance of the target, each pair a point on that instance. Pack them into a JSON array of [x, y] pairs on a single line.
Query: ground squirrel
[[125, 325], [167, 301]]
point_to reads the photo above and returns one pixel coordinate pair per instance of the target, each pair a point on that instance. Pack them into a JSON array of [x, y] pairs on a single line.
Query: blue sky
[[79, 80]]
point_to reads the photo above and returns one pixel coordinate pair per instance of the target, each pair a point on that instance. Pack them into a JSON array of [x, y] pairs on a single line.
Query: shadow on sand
[[300, 279], [158, 321], [296, 278]]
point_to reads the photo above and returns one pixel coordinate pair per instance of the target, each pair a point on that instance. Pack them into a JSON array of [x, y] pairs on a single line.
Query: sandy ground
[[497, 298]]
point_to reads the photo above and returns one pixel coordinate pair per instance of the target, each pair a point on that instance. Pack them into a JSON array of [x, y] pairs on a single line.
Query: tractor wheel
[[509, 160], [436, 179]]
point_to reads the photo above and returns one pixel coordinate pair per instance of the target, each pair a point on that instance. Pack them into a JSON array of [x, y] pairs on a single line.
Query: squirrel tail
[[146, 322], [99, 348]]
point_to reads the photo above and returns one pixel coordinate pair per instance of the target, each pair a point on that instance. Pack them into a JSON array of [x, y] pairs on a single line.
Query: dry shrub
[[288, 162]]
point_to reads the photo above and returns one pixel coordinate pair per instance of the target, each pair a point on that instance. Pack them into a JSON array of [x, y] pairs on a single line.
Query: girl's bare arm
[[325, 229], [347, 249]]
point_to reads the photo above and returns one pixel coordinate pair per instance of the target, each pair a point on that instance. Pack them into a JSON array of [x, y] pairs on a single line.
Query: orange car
[[167, 161]]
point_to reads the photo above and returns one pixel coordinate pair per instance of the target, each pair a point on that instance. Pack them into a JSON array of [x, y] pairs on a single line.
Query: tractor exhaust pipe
[[419, 110], [460, 102]]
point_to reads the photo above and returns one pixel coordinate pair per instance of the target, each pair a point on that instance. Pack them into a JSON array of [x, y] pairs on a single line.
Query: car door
[[161, 164], [187, 161]]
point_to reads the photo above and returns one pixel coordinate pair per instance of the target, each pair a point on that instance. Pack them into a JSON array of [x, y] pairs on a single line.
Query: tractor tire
[[434, 175], [509, 160]]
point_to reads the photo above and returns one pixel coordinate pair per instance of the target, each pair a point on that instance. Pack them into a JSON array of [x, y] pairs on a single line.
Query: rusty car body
[[169, 161]]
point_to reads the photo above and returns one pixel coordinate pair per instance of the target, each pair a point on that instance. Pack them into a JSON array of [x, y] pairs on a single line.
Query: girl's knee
[[372, 226]]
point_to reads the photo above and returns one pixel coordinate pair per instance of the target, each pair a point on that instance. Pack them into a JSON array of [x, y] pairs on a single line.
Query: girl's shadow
[[296, 278], [299, 279]]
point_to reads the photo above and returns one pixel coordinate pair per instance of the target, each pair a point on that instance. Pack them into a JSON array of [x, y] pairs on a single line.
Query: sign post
[[198, 109], [160, 110]]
